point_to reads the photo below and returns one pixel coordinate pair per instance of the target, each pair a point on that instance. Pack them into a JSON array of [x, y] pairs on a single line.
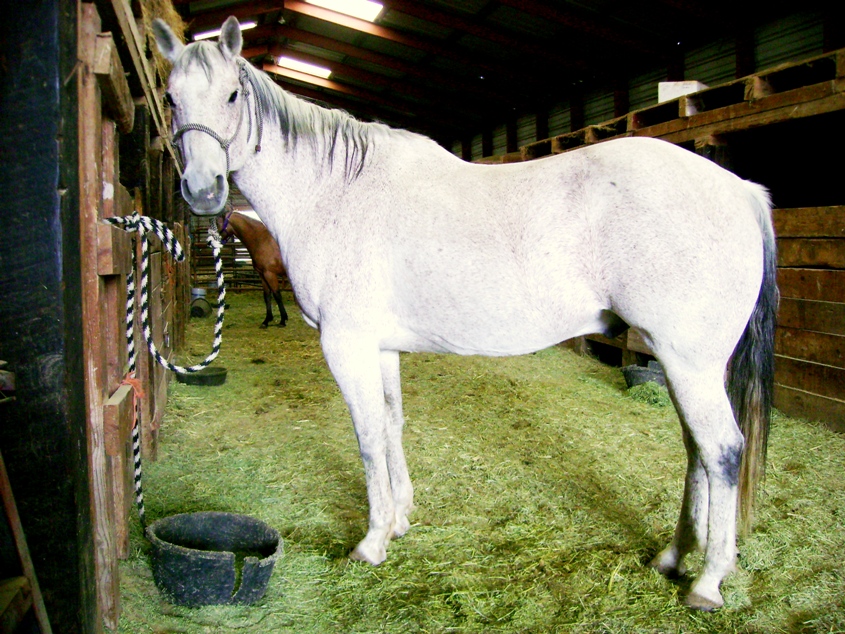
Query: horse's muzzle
[[206, 201]]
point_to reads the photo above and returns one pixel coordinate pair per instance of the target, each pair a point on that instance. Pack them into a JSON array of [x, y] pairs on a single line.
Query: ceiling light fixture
[[304, 67], [204, 35], [362, 9]]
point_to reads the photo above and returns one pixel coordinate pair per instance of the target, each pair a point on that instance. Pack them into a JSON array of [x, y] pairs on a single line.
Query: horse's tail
[[750, 375]]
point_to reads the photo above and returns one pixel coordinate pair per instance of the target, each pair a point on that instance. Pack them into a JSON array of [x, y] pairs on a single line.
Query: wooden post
[[90, 144]]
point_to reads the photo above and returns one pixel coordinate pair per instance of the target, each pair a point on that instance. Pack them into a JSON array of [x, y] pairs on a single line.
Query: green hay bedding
[[542, 489]]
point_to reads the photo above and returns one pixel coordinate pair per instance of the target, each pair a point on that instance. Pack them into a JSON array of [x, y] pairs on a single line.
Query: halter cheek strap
[[223, 228], [246, 82]]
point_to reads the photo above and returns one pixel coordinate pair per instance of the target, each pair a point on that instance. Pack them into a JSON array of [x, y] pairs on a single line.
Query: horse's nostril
[[221, 182]]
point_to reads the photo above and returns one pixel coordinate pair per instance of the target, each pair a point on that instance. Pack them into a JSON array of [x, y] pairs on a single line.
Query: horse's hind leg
[[400, 481], [714, 449], [268, 317], [273, 283], [691, 530]]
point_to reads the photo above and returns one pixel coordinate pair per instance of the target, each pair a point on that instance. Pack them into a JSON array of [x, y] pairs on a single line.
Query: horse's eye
[[233, 97], [169, 99]]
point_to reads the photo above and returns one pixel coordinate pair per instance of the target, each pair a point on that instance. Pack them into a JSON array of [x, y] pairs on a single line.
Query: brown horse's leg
[[268, 305], [272, 282]]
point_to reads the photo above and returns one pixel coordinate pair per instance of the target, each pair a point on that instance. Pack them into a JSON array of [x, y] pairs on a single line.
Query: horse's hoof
[[666, 568], [705, 604], [375, 558], [263, 326], [282, 324], [401, 527]]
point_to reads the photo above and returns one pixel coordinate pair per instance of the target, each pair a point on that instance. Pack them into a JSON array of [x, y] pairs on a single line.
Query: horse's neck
[[283, 184]]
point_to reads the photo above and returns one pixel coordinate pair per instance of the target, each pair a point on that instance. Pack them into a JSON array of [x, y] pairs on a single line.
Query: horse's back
[[505, 259]]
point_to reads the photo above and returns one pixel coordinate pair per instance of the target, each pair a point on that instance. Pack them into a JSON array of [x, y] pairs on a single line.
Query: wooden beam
[[116, 96], [202, 20], [586, 27], [826, 317], [137, 50], [460, 89], [334, 86], [810, 222], [14, 521], [429, 46], [803, 404], [813, 284], [513, 44]]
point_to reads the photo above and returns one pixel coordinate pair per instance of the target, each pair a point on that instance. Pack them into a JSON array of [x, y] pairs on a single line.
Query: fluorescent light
[[204, 35], [304, 67], [363, 9]]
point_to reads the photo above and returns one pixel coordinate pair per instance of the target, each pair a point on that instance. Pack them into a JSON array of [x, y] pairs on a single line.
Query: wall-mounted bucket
[[213, 558]]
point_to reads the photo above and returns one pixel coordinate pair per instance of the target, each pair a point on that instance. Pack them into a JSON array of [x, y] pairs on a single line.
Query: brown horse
[[265, 254]]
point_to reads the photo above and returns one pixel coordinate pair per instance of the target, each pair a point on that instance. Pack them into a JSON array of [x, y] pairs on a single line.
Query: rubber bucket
[[212, 375], [200, 307], [213, 558]]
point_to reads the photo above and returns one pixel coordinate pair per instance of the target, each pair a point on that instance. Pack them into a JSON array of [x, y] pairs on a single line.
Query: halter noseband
[[246, 82]]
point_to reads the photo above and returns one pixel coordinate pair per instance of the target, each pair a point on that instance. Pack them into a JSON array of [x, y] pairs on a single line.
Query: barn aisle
[[541, 487]]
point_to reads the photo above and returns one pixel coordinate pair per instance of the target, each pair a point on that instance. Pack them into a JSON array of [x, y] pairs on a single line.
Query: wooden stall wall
[[810, 342], [125, 167]]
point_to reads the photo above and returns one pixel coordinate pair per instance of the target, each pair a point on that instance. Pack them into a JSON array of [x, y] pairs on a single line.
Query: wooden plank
[[15, 602], [616, 342], [811, 346], [113, 250], [778, 108], [119, 418], [815, 378], [137, 50], [13, 518], [90, 147], [826, 317], [118, 415], [636, 343], [801, 404], [811, 252], [814, 284], [117, 100], [810, 222]]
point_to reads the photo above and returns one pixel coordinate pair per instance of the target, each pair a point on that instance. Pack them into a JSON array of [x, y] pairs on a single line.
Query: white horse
[[393, 244]]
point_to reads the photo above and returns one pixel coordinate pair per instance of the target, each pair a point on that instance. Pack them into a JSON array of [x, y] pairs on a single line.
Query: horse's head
[[206, 93]]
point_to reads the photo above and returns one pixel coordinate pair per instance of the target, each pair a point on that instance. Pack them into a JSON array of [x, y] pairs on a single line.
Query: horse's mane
[[336, 134]]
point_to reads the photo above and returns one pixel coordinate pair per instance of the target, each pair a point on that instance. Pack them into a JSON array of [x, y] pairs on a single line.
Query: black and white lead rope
[[144, 225]]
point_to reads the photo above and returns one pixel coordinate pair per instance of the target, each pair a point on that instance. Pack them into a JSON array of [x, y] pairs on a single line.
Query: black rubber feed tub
[[213, 558], [637, 375], [207, 376]]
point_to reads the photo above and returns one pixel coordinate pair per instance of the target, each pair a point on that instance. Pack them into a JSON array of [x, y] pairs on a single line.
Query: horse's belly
[[501, 324]]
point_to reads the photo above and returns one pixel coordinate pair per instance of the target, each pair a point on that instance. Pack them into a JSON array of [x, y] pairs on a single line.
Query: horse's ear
[[168, 44], [231, 40]]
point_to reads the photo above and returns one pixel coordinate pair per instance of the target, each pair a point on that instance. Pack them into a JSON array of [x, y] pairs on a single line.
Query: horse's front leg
[[355, 364], [400, 481]]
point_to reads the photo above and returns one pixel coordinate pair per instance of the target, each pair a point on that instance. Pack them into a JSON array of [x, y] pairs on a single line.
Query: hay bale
[[164, 10]]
